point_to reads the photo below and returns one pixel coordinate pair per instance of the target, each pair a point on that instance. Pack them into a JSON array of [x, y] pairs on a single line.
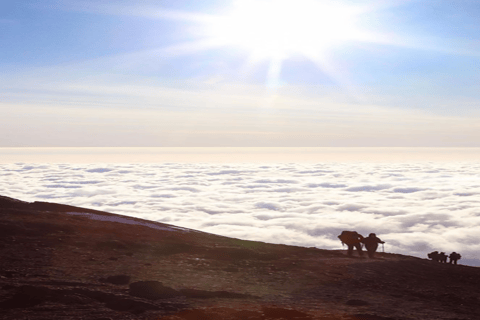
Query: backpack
[[349, 237]]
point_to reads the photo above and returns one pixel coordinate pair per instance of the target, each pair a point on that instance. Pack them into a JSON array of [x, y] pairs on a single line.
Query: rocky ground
[[56, 265]]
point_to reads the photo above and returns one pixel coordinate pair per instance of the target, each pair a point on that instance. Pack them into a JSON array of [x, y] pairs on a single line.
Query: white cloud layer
[[415, 207]]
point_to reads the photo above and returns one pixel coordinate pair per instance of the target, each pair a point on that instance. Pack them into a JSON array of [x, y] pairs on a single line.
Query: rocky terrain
[[64, 262]]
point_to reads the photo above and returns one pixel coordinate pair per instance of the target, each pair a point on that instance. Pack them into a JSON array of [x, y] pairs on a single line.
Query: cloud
[[465, 194], [351, 207], [429, 220], [368, 188], [414, 207], [163, 196], [84, 182], [223, 172], [268, 206], [185, 189], [61, 186], [268, 181], [326, 185], [407, 190], [99, 170], [287, 190]]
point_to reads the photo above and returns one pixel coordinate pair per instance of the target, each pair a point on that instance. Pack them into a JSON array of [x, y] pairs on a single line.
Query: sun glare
[[277, 30], [282, 28]]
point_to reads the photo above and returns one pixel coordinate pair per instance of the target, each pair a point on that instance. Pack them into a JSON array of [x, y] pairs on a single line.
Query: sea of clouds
[[415, 207]]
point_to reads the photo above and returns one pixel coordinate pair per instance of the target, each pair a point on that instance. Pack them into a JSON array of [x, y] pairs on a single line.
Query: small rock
[[152, 290]]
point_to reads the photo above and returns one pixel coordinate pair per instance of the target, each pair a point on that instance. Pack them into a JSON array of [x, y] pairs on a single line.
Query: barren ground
[[56, 265]]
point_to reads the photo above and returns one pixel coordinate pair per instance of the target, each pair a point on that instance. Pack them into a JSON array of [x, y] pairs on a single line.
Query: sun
[[278, 29]]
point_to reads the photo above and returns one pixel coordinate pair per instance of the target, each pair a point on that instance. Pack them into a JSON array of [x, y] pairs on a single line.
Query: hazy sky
[[239, 73]]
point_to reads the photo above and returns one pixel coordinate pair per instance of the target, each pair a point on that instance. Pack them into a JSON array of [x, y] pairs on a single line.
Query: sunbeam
[[274, 31]]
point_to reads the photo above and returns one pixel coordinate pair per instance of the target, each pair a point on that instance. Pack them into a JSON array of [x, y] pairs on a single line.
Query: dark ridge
[[48, 206], [6, 202]]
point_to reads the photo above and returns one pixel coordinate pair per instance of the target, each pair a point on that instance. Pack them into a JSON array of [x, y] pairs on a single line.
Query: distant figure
[[434, 256], [442, 257], [353, 240], [454, 257], [371, 244]]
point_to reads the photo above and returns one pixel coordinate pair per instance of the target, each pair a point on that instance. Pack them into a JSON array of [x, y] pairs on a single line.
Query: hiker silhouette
[[371, 244], [442, 257], [454, 257], [434, 256], [353, 240]]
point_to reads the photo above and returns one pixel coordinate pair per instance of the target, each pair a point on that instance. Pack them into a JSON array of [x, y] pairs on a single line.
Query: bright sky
[[278, 73]]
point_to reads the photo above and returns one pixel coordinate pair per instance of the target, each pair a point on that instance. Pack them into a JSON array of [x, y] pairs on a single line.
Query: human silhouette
[[371, 244], [442, 257], [434, 256], [353, 240], [454, 257]]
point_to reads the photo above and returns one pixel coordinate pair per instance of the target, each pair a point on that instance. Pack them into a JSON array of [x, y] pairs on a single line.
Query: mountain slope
[[64, 262]]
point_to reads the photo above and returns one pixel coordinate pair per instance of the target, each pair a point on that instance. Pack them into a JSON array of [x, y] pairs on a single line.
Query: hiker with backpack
[[454, 257], [353, 240], [371, 244]]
